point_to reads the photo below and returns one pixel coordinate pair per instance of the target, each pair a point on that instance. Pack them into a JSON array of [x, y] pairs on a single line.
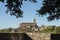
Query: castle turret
[[34, 22]]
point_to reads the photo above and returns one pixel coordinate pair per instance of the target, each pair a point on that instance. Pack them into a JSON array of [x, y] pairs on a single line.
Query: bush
[[6, 30], [57, 29], [48, 29]]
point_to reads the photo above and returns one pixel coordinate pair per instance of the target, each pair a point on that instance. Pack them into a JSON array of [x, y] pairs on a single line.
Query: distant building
[[28, 26]]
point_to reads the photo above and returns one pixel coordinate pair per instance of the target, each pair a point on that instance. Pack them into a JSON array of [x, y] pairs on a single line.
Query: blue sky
[[29, 9]]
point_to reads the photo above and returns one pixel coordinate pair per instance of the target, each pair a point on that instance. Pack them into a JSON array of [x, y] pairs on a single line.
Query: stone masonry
[[39, 36]]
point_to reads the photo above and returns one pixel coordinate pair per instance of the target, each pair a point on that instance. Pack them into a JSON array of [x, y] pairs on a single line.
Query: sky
[[29, 13]]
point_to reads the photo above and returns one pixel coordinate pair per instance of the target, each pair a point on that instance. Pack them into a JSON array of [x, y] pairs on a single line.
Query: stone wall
[[25, 36], [14, 36], [40, 36]]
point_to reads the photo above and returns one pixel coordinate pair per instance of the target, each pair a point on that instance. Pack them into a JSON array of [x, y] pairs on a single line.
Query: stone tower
[[34, 22]]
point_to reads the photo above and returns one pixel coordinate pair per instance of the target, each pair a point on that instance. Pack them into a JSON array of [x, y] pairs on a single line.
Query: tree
[[14, 7], [6, 30], [53, 27], [10, 29], [51, 7], [57, 29]]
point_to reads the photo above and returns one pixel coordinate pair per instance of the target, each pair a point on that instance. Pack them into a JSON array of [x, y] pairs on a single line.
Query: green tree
[[53, 27], [14, 7], [52, 8], [57, 29], [6, 30], [9, 29]]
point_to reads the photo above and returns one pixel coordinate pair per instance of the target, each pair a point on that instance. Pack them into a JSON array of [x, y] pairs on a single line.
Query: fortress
[[29, 26]]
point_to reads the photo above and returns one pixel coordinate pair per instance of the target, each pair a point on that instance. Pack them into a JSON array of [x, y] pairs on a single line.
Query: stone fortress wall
[[29, 36], [40, 36]]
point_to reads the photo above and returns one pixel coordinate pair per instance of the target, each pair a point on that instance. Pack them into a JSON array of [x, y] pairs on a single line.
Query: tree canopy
[[51, 7], [14, 7]]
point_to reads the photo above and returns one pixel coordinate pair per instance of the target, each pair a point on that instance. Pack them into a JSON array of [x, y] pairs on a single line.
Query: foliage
[[57, 29], [51, 7], [6, 30], [14, 7], [49, 29]]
